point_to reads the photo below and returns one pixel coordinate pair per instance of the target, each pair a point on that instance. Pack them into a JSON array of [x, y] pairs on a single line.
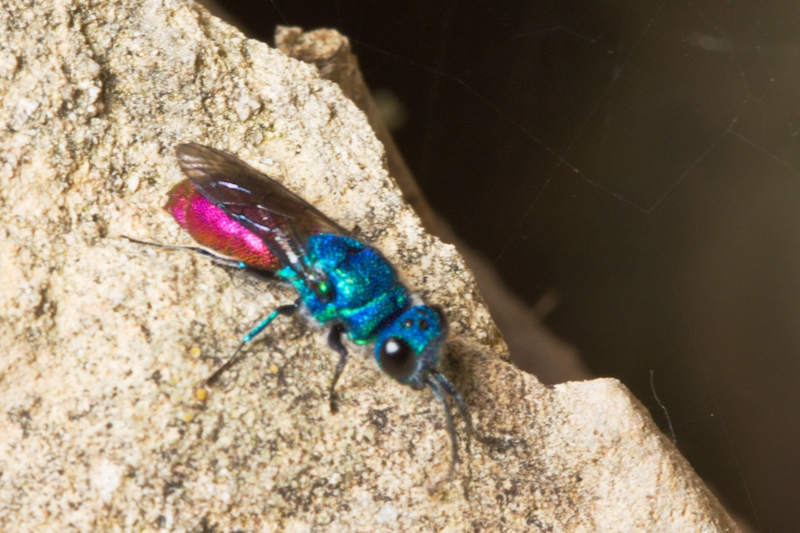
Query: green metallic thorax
[[366, 293]]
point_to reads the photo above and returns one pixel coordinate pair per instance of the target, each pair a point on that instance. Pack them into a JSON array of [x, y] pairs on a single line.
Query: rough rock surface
[[103, 426]]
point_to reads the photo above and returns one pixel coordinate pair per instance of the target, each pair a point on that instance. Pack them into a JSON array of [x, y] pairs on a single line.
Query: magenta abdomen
[[212, 228]]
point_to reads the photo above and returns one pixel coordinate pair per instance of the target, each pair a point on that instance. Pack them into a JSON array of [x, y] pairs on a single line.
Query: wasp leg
[[335, 342], [202, 251], [286, 310], [218, 259]]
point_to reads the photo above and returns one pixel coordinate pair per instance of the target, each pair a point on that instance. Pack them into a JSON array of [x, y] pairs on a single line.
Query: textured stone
[[104, 424]]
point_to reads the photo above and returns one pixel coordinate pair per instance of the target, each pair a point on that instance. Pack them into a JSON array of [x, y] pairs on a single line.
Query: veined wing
[[282, 219]]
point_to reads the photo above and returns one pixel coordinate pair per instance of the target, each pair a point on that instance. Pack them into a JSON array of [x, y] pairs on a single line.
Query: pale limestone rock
[[105, 343]]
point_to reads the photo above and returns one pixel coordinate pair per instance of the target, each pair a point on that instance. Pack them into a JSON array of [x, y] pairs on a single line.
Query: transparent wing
[[265, 207]]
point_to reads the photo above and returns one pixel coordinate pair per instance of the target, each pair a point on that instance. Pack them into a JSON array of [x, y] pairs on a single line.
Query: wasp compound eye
[[397, 358]]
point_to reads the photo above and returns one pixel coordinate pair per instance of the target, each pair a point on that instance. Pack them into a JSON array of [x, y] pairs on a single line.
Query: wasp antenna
[[450, 389], [436, 388]]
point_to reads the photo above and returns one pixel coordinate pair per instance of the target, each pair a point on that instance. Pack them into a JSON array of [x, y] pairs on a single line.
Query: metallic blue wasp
[[249, 221]]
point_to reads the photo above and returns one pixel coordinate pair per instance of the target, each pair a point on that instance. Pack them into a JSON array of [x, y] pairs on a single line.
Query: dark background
[[640, 160]]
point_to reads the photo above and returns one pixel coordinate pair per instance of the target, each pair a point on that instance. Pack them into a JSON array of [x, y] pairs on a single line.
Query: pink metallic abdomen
[[213, 229]]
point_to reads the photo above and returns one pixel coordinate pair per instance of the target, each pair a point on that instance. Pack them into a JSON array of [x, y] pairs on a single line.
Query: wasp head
[[408, 349]]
